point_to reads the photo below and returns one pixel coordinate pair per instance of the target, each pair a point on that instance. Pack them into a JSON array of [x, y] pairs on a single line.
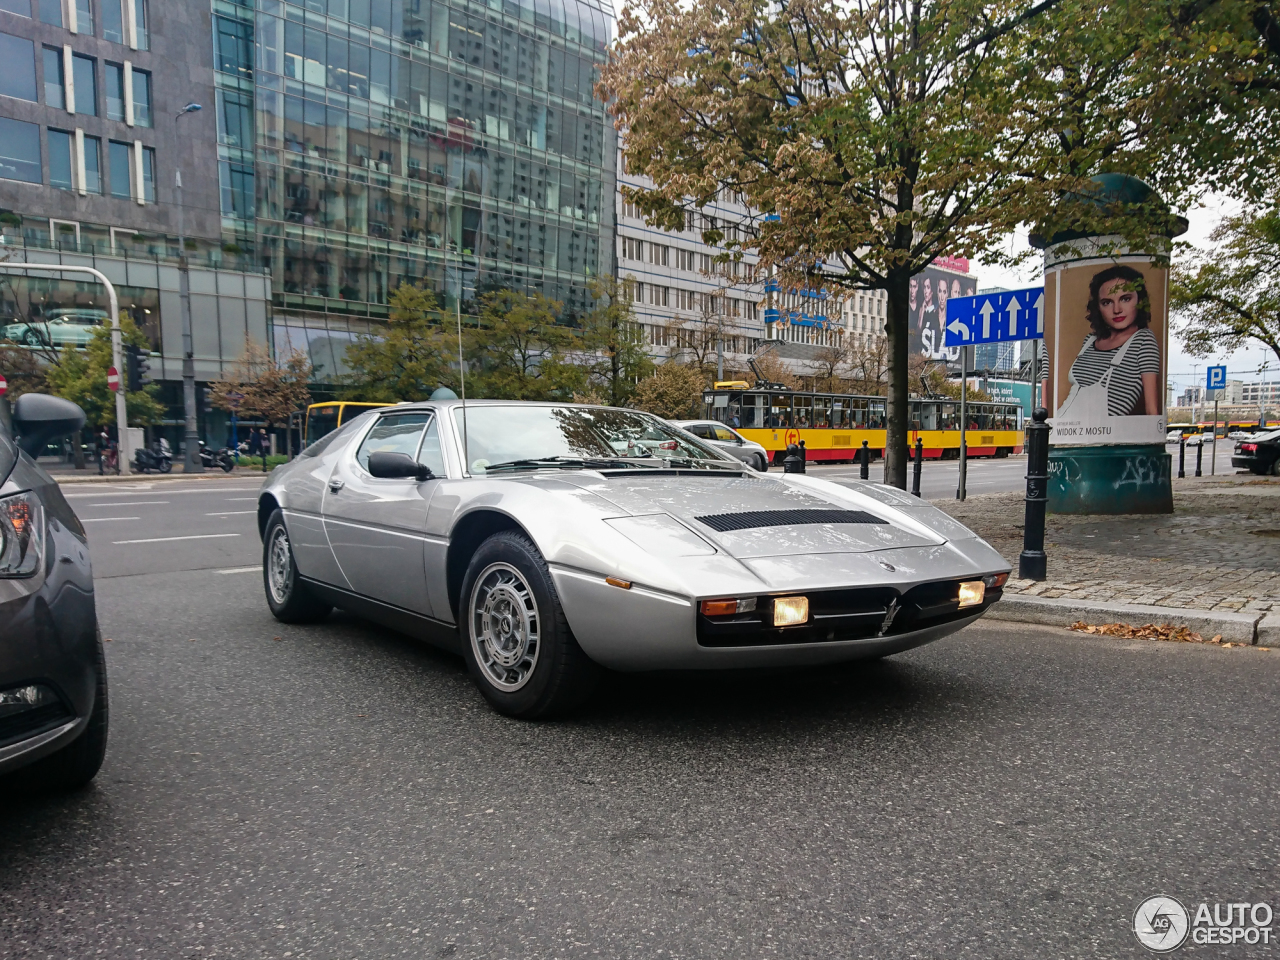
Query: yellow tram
[[833, 426]]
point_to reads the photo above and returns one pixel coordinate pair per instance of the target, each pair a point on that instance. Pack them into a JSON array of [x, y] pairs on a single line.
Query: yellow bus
[[833, 426], [324, 418]]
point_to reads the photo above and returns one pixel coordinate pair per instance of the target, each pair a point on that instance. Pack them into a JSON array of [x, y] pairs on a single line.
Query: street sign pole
[[1215, 380], [1213, 463], [964, 420]]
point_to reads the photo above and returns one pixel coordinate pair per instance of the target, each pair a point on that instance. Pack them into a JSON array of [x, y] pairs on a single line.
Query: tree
[[868, 365], [411, 359], [258, 385], [874, 137], [20, 367], [1228, 295], [829, 365], [929, 379], [673, 392], [81, 376], [617, 352], [519, 352]]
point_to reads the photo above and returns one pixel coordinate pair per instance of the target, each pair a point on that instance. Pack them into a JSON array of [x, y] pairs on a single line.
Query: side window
[[724, 435], [698, 430], [398, 433], [430, 455]]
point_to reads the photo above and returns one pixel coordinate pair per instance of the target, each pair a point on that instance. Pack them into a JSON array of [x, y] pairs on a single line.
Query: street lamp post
[[192, 462]]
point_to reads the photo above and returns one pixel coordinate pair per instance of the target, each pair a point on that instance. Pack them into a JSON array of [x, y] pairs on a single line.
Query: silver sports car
[[544, 542]]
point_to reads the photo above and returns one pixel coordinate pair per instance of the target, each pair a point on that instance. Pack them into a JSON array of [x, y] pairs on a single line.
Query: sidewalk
[[1213, 565], [65, 473]]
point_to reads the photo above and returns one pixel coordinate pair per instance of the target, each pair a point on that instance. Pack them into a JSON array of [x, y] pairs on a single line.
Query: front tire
[[78, 762], [516, 640], [762, 464], [290, 599]]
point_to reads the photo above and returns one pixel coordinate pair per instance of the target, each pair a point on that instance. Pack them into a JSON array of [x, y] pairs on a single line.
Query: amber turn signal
[[724, 608], [972, 593], [615, 582], [996, 580]]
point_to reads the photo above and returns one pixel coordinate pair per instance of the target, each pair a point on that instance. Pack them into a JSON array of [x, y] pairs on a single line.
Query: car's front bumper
[[642, 629]]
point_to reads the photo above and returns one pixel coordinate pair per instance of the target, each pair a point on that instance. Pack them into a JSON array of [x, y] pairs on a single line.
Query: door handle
[[335, 484]]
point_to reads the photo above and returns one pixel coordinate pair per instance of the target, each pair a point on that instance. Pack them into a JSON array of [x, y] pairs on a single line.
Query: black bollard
[[804, 456], [1182, 458], [794, 462], [866, 461], [1032, 562], [915, 479], [1199, 455]]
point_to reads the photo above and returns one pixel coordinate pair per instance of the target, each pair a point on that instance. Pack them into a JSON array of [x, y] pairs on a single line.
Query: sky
[[1184, 369]]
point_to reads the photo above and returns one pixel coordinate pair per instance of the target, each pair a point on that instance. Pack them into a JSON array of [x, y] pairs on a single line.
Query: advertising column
[[1104, 369]]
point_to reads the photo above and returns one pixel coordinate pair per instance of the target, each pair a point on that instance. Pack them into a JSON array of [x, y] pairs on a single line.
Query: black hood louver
[[750, 519]]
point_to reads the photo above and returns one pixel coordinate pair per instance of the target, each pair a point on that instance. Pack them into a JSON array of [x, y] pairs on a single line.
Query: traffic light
[[137, 367]]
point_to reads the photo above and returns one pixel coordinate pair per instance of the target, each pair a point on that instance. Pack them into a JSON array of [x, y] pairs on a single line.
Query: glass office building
[[369, 143]]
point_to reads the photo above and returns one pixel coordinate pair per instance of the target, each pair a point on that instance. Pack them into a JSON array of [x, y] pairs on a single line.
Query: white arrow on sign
[[986, 311], [955, 326], [1012, 310], [1039, 307]]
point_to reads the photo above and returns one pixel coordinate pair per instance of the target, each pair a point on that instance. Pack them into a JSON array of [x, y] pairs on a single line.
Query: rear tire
[[1275, 467], [288, 596], [78, 762], [516, 640]]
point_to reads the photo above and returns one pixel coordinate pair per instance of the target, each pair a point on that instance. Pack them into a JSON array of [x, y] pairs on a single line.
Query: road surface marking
[[242, 570], [229, 513], [198, 536], [146, 490], [136, 503], [104, 519]]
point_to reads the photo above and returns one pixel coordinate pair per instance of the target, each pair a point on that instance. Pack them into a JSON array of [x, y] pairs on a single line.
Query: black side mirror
[[392, 465], [39, 418]]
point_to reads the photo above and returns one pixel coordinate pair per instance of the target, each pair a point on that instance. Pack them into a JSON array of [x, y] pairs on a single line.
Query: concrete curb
[[1060, 612], [69, 479]]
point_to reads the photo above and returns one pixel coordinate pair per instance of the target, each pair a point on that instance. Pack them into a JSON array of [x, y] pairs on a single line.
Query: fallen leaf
[[275, 638], [192, 640], [107, 640], [1217, 638]]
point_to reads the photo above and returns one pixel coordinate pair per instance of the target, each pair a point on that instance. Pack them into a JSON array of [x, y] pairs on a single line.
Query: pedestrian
[[103, 442]]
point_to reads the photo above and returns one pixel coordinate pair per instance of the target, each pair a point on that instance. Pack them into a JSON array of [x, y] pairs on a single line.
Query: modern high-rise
[[368, 143]]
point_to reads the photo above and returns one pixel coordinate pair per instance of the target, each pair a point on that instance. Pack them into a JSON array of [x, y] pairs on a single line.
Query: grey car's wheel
[[516, 640], [761, 463], [288, 596], [78, 762]]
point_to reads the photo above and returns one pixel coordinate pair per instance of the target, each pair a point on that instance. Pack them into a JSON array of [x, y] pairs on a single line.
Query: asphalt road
[[338, 791]]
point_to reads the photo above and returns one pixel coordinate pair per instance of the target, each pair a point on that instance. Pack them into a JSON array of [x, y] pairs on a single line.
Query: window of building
[[235, 119], [60, 160], [51, 12], [54, 82], [17, 67], [236, 181], [112, 21], [141, 34], [19, 151], [21, 7], [149, 174], [113, 77], [141, 98], [120, 166], [84, 17], [85, 78], [92, 165], [233, 47]]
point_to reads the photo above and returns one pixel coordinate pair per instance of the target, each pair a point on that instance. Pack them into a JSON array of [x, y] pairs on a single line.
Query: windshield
[[518, 435]]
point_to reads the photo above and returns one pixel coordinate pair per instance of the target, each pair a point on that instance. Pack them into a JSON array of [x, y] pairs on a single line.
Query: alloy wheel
[[505, 629], [279, 566]]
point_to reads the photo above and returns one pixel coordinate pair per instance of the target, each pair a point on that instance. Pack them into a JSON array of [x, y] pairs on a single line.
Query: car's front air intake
[[726, 522]]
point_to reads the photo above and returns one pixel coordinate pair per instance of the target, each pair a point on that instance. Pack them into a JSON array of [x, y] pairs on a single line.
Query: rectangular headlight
[[972, 592], [788, 611]]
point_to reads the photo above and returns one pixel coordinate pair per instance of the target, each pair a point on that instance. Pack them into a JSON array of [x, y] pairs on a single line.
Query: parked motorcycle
[[146, 461], [220, 458]]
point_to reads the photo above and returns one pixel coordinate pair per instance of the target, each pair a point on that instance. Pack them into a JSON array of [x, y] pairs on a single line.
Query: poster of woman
[[1106, 352]]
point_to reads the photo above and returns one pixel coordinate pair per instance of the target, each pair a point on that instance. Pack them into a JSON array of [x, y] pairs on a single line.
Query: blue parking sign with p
[[1216, 378]]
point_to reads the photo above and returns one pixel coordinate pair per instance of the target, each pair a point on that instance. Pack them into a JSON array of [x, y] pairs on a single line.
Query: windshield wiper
[[570, 463], [693, 463]]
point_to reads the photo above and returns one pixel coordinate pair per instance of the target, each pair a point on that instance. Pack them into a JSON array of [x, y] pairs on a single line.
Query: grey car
[[547, 542], [53, 680], [725, 438]]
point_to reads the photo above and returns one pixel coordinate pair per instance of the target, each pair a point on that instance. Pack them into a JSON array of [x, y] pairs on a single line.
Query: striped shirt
[[1124, 392]]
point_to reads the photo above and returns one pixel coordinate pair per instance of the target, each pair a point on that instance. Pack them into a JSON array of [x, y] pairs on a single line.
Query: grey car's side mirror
[[39, 418], [392, 465]]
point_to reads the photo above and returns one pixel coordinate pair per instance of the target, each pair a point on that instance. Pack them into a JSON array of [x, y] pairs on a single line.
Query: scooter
[[221, 458], [147, 460]]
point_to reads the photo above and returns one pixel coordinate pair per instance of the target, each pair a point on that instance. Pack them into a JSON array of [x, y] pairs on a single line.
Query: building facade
[[368, 143]]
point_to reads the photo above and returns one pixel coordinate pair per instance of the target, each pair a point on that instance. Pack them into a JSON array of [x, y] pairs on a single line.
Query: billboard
[[1010, 391], [1106, 342], [928, 294]]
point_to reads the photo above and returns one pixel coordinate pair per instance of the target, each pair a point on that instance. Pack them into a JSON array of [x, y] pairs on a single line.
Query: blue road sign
[[994, 317], [1215, 378]]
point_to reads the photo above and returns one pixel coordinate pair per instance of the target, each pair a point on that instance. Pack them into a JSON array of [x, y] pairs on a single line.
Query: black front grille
[[28, 723], [725, 522], [837, 615]]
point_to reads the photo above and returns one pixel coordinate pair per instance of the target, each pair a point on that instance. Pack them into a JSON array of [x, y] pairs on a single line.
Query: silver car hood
[[687, 497]]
